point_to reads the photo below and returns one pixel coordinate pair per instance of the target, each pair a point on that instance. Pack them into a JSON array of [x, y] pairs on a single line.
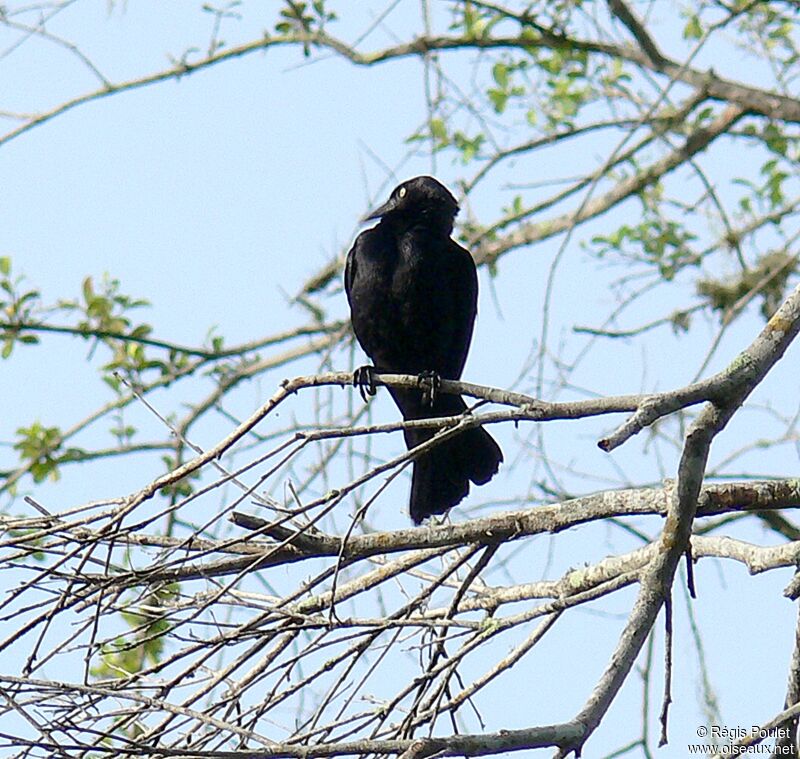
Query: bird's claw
[[364, 380], [430, 382]]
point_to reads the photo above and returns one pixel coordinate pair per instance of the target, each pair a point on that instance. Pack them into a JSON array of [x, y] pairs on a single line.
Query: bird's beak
[[387, 207]]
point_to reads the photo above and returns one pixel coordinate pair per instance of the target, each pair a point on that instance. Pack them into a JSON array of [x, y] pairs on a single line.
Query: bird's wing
[[464, 291], [350, 269]]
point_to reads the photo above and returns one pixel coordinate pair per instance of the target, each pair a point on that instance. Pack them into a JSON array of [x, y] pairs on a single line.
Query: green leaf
[[469, 146], [143, 330], [775, 140], [693, 29], [25, 297], [112, 382], [439, 130], [88, 290], [500, 74], [704, 114], [5, 265], [499, 99]]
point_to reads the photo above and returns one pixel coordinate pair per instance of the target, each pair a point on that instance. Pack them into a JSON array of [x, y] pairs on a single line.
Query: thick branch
[[211, 355], [713, 500], [656, 582], [526, 234], [750, 99]]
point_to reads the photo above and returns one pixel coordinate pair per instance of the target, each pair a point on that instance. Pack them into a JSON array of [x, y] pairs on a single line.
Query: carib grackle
[[413, 298]]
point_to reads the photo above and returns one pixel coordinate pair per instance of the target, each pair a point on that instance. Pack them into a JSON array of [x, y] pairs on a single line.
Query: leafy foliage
[[768, 280], [143, 645], [17, 306]]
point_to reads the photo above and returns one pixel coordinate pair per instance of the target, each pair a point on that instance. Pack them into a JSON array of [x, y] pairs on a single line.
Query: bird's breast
[[402, 302]]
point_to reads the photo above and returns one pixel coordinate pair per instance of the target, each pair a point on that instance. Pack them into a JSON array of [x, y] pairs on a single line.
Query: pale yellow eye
[[402, 192]]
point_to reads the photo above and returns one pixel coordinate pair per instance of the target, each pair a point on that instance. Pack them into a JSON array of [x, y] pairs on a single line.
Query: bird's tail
[[441, 477]]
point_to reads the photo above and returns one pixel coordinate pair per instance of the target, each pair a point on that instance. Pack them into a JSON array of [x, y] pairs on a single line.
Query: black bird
[[413, 295]]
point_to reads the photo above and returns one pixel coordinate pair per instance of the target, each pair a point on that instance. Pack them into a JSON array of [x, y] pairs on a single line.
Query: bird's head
[[422, 200]]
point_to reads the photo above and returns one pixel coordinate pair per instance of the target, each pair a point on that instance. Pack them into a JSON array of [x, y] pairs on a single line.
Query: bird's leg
[[430, 382], [364, 380]]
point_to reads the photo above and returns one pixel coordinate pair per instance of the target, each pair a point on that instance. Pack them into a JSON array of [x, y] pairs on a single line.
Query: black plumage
[[413, 299]]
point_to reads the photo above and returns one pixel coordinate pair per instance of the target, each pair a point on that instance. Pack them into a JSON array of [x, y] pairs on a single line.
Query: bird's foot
[[364, 380], [430, 383]]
